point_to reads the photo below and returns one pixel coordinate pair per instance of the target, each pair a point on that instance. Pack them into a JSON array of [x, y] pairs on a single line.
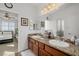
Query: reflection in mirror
[[60, 28], [34, 25], [42, 24]]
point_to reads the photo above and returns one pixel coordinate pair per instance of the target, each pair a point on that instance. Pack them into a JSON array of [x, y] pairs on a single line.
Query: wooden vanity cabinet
[[42, 49], [33, 45]]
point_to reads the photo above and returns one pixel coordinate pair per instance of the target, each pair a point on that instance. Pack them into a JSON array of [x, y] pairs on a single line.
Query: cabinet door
[[31, 42], [28, 42], [41, 45], [30, 45], [54, 52], [43, 53], [35, 49]]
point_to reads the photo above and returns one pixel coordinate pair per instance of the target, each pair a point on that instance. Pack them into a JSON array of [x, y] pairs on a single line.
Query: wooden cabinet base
[[42, 49]]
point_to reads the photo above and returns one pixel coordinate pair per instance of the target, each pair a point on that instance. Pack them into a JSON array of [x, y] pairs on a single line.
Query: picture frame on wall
[[24, 21]]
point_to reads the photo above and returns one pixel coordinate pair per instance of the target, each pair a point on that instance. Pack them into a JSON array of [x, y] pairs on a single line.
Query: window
[[11, 26], [8, 26], [4, 26]]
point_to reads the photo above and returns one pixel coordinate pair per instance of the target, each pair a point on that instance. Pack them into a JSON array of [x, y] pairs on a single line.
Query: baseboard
[[6, 41], [23, 50], [19, 53]]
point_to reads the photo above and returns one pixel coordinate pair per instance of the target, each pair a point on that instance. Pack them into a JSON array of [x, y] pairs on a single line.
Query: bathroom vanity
[[42, 47]]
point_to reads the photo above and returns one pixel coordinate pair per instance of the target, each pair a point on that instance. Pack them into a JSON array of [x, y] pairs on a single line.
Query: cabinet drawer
[[35, 49], [43, 53], [41, 45], [53, 51]]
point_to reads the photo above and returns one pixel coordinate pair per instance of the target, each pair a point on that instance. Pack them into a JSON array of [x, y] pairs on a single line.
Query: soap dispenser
[[73, 38], [49, 35]]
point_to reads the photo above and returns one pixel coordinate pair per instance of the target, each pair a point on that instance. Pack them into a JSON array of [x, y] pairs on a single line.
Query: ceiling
[[39, 6]]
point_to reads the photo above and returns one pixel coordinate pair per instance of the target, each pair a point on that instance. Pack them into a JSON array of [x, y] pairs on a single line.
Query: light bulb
[[49, 7]]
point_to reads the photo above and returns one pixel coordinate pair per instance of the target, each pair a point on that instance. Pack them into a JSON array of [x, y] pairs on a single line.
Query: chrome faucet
[[75, 38]]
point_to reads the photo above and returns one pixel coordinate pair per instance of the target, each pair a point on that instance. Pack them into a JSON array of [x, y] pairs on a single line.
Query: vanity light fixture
[[49, 7], [45, 9]]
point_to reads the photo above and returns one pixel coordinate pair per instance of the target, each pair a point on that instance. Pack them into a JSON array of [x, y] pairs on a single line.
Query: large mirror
[[55, 26]]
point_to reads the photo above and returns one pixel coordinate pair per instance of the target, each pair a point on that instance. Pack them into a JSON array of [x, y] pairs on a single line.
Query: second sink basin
[[59, 43]]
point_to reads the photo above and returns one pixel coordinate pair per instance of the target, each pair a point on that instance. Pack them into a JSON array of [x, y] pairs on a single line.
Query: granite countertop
[[71, 50]]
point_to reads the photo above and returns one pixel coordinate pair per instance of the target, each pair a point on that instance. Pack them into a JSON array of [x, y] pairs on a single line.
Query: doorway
[[8, 33]]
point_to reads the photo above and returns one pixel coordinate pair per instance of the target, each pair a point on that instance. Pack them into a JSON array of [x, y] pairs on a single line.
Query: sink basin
[[59, 43], [38, 37]]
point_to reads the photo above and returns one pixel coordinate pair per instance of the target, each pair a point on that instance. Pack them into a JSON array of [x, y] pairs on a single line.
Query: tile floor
[[8, 49], [27, 53]]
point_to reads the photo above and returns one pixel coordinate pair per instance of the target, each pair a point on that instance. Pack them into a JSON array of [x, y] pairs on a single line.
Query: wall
[[23, 10], [70, 14]]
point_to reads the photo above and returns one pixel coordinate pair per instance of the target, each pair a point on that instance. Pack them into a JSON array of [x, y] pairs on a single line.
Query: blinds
[[7, 26]]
